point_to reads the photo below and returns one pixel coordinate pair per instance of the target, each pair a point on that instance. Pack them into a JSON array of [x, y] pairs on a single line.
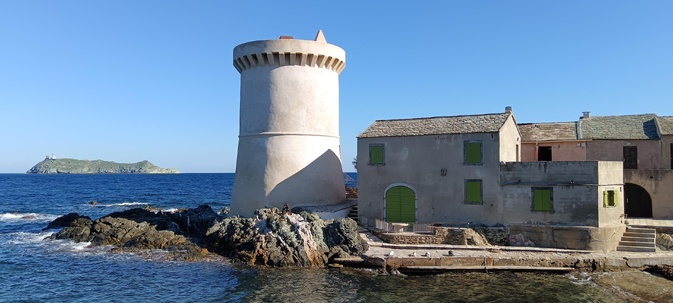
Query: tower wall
[[288, 148]]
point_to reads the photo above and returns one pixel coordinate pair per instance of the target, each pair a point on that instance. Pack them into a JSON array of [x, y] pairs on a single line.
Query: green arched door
[[400, 205]]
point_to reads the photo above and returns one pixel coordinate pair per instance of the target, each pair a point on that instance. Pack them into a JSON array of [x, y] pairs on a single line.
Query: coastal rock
[[64, 221], [140, 229], [74, 166], [276, 239], [271, 238]]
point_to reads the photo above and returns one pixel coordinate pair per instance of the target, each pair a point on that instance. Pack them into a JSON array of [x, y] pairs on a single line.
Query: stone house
[[437, 169], [462, 170], [644, 143]]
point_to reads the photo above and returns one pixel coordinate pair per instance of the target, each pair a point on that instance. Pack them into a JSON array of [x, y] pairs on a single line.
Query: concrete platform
[[429, 258]]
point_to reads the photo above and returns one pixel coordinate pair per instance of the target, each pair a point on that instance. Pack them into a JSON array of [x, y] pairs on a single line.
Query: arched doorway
[[637, 201], [400, 204]]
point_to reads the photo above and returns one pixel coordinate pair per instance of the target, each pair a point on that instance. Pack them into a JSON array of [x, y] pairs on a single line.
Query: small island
[[51, 165]]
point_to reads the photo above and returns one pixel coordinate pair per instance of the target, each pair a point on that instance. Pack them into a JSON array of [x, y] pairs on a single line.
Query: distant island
[[50, 165]]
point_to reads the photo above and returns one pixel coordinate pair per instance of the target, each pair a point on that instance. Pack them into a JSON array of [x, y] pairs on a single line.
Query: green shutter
[[400, 205], [376, 154], [542, 200], [473, 192], [610, 196], [472, 153]]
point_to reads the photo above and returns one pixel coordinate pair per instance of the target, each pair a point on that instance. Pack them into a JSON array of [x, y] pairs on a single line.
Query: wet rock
[[79, 230], [64, 221]]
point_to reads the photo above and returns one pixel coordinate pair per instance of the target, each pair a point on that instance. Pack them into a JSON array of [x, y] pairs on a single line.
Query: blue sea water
[[33, 269]]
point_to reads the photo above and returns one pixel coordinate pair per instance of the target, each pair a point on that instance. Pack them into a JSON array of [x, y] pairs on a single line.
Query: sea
[[36, 269]]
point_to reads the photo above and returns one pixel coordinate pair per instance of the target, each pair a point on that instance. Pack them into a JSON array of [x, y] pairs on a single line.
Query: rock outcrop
[[74, 166], [271, 238], [276, 239]]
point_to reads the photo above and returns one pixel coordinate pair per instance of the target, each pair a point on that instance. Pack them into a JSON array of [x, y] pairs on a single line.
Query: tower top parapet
[[287, 51]]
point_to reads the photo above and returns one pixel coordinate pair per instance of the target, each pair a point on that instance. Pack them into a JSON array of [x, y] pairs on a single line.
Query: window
[[473, 193], [377, 154], [544, 153], [472, 153], [630, 157], [610, 198], [542, 199]]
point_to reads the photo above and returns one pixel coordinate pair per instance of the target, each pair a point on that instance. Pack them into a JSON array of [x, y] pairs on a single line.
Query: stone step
[[636, 249], [640, 230], [638, 239], [639, 244], [639, 235]]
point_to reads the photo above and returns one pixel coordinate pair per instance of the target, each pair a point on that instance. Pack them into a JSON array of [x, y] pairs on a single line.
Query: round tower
[[288, 144]]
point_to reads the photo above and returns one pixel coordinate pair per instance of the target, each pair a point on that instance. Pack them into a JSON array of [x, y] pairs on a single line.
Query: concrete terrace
[[438, 258]]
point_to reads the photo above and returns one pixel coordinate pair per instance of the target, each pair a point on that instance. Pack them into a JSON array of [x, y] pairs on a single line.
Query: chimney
[[585, 115], [286, 37], [508, 109]]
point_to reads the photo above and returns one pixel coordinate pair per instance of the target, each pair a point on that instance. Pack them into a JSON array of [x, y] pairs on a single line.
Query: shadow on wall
[[319, 183]]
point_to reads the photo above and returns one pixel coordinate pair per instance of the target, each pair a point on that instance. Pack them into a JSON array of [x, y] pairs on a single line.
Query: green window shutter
[[472, 153], [473, 192], [542, 200], [376, 154], [616, 198], [605, 198]]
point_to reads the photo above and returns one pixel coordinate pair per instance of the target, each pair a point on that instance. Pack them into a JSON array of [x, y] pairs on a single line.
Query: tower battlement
[[249, 61]]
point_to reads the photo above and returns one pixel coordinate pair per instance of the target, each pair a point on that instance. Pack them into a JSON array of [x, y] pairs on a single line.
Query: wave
[[21, 217], [39, 240], [28, 238]]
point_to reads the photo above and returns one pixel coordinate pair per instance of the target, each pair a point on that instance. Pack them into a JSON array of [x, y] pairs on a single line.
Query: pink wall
[[561, 151]]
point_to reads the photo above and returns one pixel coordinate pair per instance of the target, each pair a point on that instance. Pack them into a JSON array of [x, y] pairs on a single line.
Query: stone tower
[[288, 144]]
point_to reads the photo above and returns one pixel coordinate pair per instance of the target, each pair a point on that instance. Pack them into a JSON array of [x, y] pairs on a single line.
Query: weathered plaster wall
[[571, 237], [577, 197], [649, 151], [418, 162], [659, 184], [561, 151], [509, 139]]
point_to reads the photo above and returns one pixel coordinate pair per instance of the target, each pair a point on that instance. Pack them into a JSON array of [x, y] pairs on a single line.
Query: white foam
[[28, 238], [20, 217], [170, 210]]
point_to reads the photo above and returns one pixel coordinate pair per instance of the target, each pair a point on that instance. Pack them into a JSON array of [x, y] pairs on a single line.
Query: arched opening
[[400, 204], [637, 201]]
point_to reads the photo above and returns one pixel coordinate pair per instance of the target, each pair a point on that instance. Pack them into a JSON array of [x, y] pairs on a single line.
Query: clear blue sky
[[153, 80]]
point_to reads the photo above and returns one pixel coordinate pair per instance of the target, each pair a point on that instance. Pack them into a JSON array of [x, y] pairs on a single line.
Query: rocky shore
[[271, 238]]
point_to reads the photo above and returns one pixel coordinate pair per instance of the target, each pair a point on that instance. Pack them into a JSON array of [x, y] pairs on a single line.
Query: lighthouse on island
[[288, 146]]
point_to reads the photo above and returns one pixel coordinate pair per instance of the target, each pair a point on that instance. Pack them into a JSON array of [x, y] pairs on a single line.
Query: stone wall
[[440, 235], [568, 237]]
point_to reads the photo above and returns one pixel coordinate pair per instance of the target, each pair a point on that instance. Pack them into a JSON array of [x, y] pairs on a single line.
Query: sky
[[127, 81]]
